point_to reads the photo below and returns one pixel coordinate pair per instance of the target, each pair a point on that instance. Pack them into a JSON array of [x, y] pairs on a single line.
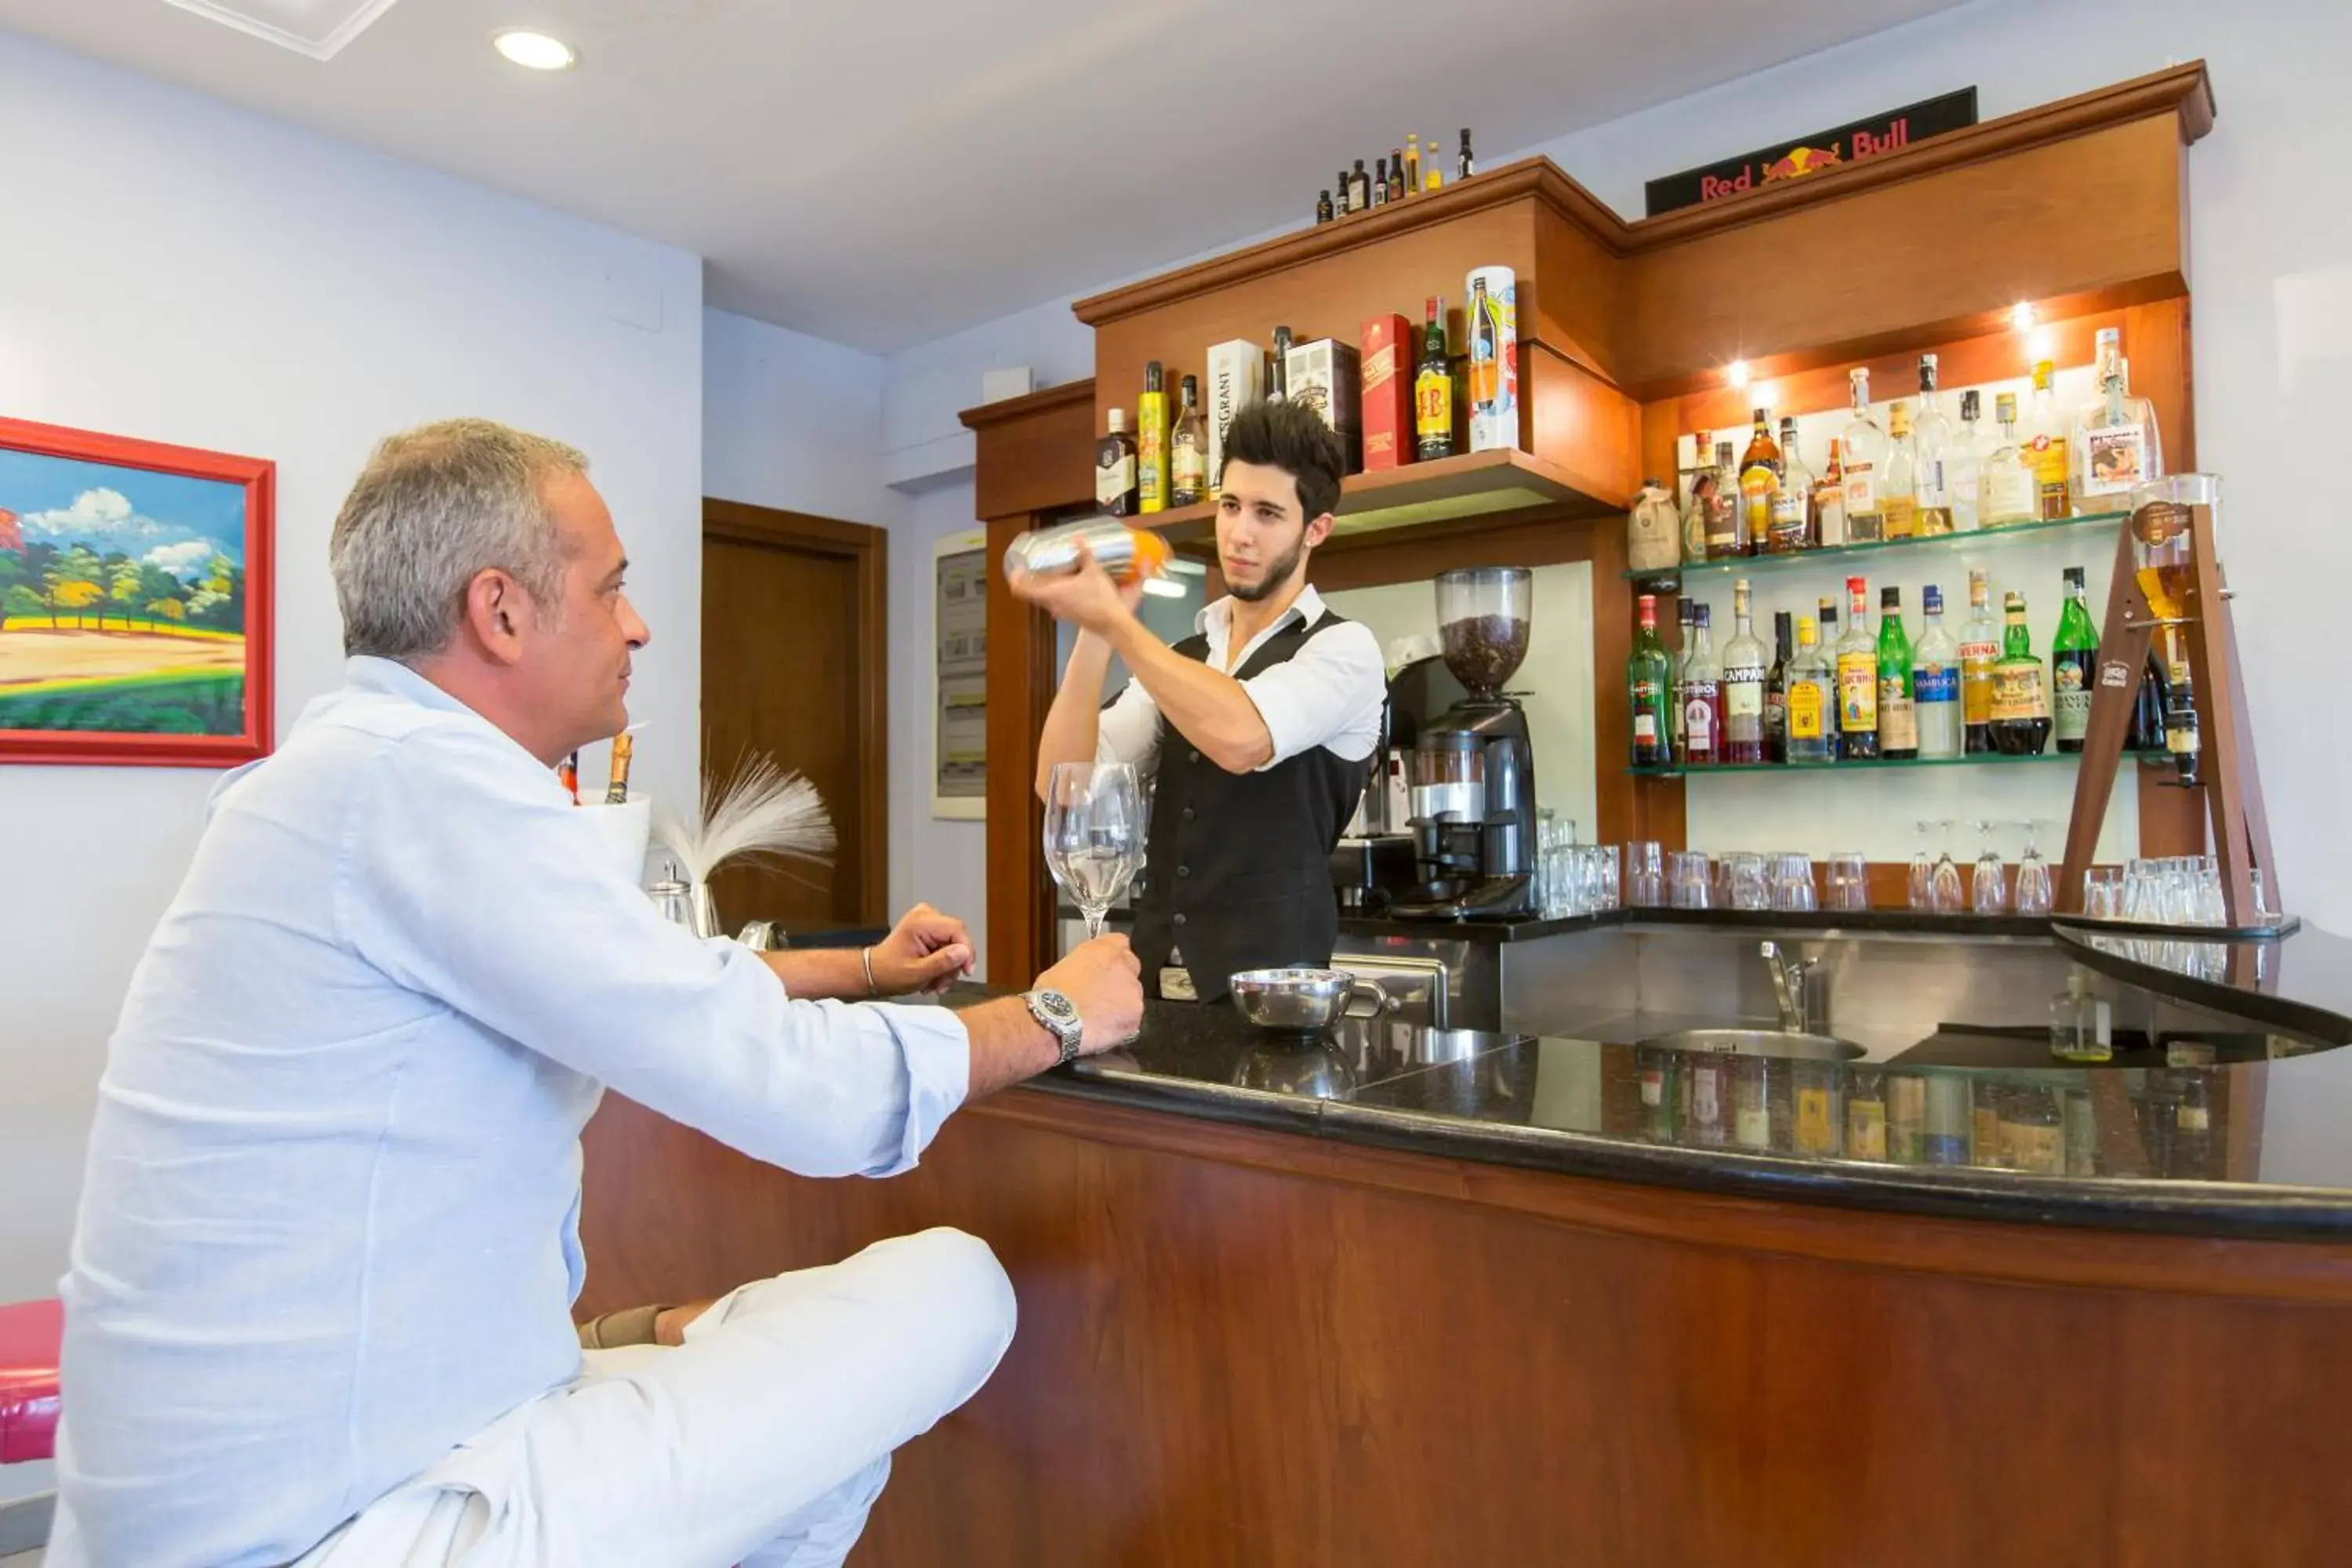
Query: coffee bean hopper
[[1472, 772]]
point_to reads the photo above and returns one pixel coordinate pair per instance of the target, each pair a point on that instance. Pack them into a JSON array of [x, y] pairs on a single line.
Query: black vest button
[[1180, 917], [1189, 814], [1183, 870], [1191, 756]]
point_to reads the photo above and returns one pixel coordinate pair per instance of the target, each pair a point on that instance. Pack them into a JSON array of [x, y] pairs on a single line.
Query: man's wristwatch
[[1059, 1015]]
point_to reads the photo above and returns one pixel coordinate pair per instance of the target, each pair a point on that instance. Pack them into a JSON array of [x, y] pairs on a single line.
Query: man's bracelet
[[865, 957]]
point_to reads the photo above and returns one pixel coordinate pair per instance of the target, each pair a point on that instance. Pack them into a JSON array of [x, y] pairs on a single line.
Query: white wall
[[791, 421], [183, 271]]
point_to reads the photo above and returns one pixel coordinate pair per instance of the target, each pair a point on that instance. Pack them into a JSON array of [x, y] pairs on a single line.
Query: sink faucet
[[1789, 975]]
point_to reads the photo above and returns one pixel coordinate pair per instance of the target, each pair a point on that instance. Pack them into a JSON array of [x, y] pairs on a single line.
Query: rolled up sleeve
[[1128, 728], [1326, 694], [474, 886]]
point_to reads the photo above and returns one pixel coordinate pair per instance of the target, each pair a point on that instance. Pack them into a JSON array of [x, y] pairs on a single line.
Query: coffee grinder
[[1474, 772]]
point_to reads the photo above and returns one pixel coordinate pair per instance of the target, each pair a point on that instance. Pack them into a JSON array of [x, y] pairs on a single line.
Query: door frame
[[868, 549]]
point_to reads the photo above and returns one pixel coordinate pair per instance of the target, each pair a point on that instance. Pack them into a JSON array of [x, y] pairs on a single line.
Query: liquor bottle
[[1115, 469], [1826, 614], [1935, 681], [1813, 699], [1698, 483], [1397, 186], [1277, 372], [1931, 442], [1829, 502], [1865, 464], [1188, 448], [1360, 189], [1324, 212], [1702, 697], [1898, 490], [1898, 718], [1726, 519], [1346, 188], [1151, 440], [1412, 165], [2020, 702], [1432, 389], [1964, 470], [1684, 613], [1980, 646], [1380, 181], [2046, 444], [1793, 506], [1467, 165], [2114, 447], [2147, 724], [1650, 683], [1743, 684], [2006, 494], [1760, 485], [1776, 690], [1857, 679], [2073, 666]]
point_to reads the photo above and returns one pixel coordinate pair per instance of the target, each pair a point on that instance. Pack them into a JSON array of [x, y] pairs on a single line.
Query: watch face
[[1057, 1007]]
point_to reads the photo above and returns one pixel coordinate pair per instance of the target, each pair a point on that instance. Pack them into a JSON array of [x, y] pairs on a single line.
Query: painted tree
[[77, 594], [123, 586], [167, 610]]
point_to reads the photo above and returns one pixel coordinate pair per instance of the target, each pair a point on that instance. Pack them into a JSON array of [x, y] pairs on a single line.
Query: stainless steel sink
[[1756, 1043]]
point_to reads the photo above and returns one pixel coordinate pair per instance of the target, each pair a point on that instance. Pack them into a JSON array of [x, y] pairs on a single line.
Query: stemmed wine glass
[[2033, 875], [1094, 835], [1988, 886]]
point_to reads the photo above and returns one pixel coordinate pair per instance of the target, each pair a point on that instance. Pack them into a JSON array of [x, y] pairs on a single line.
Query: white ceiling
[[884, 172]]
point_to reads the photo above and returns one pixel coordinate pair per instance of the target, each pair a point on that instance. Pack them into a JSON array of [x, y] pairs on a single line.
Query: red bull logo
[[1800, 162]]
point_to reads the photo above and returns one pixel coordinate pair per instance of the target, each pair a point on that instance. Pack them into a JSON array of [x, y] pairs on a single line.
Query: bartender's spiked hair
[[1280, 434], [435, 507]]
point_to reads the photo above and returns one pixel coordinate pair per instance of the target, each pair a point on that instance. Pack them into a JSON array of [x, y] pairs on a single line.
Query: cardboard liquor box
[[1236, 379], [1390, 343], [1327, 376]]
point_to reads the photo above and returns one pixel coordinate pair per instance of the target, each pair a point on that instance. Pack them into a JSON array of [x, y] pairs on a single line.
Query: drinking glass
[[1094, 834], [1645, 879], [1792, 883], [1691, 888], [2207, 907], [2034, 890], [1921, 884], [1944, 882], [2103, 892], [1744, 882], [1988, 886], [1611, 889], [1847, 880]]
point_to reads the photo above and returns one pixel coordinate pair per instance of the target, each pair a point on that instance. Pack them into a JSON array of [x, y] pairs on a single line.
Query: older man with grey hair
[[319, 1307]]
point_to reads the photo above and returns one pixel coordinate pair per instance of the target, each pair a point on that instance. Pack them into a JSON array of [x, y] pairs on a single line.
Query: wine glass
[[2033, 875], [1987, 887], [1094, 834], [1921, 882], [1947, 897]]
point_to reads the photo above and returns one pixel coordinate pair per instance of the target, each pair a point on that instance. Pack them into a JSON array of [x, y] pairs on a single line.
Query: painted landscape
[[121, 599]]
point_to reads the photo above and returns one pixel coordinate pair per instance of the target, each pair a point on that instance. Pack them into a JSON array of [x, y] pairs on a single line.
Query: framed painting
[[134, 601]]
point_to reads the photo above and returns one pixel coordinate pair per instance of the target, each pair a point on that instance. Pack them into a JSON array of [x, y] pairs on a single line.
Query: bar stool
[[30, 1332]]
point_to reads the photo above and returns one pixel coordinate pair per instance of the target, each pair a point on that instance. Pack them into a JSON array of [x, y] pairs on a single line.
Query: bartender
[[1258, 730]]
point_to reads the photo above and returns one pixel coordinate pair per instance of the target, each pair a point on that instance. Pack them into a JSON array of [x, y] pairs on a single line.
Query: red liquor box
[[1388, 363]]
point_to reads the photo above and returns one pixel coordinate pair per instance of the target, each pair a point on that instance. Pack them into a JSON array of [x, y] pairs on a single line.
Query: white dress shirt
[[1328, 693], [330, 1223]]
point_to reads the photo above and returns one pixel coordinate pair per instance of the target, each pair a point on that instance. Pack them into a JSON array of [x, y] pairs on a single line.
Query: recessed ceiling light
[[1736, 373], [533, 51]]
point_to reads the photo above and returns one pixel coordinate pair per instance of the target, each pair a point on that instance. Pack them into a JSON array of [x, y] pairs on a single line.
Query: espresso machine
[[1472, 772]]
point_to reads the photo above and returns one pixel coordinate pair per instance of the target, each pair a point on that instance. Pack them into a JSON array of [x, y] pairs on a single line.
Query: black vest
[[1237, 869]]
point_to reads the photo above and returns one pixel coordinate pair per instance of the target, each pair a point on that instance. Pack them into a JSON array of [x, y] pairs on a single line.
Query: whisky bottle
[[1188, 449], [1865, 467], [1151, 440], [1115, 469], [1760, 486], [1898, 490], [1931, 442], [1432, 389]]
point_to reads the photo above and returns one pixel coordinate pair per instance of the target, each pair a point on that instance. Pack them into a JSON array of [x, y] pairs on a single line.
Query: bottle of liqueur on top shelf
[[1829, 500], [1397, 186], [1324, 211], [1346, 188], [1965, 472], [1466, 166], [1726, 531], [1360, 189], [1743, 684], [1899, 488], [2073, 666], [2005, 494], [1115, 469], [2046, 444], [1932, 448], [1412, 165], [1650, 683], [1188, 449], [1792, 504], [1432, 389], [1760, 486], [2114, 445], [1857, 677], [1864, 465], [1380, 181], [1898, 716], [1935, 681], [2020, 702]]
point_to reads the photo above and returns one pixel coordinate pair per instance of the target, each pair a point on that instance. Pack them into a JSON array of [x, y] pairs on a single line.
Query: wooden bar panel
[[1586, 426], [1036, 453]]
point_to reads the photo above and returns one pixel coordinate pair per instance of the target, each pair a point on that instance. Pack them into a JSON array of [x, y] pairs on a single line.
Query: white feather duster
[[760, 814]]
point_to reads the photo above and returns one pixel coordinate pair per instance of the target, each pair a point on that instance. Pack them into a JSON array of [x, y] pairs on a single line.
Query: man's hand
[[1085, 596], [927, 952], [1104, 981]]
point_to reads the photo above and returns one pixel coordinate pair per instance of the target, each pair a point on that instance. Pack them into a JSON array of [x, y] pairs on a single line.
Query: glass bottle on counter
[[1865, 1115], [1115, 476], [1965, 470], [2046, 447], [1932, 443], [1793, 506], [1702, 695], [1813, 699], [1829, 502], [1936, 682], [1865, 450], [2081, 1026], [1650, 686], [1979, 647], [1760, 486], [1898, 487], [2020, 701], [1188, 448], [1857, 679], [2073, 666], [1776, 690], [2113, 448], [1743, 684], [1898, 717], [2005, 493]]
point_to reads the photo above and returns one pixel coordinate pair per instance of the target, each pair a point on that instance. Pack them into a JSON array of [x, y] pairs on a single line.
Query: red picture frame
[[256, 477]]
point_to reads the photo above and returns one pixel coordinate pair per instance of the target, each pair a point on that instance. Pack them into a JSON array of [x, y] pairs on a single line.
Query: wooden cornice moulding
[[1046, 400]]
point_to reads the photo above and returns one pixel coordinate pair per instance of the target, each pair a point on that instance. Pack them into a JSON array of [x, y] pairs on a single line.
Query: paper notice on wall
[[959, 683]]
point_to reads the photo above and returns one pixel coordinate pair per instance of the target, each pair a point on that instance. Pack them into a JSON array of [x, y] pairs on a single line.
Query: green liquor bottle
[[1650, 682], [2073, 665], [1898, 718]]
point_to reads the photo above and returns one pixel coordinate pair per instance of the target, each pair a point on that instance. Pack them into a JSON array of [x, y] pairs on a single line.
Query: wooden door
[[794, 667]]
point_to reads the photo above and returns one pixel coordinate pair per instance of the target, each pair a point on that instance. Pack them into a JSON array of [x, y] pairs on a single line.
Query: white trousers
[[763, 1440]]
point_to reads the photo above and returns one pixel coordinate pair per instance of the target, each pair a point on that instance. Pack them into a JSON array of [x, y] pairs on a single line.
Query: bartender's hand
[[927, 952], [1085, 596], [1104, 981]]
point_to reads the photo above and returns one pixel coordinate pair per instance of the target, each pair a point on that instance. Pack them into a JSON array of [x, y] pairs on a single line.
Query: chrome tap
[[1791, 977]]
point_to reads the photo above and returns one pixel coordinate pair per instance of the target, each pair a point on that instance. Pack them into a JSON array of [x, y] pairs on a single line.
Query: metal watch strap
[[1068, 1032]]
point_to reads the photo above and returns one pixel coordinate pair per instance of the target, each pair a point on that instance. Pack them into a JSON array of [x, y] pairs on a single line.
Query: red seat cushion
[[30, 1332]]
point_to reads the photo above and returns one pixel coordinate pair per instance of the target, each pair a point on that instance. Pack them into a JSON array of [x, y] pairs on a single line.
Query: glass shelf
[[1981, 538], [1985, 758]]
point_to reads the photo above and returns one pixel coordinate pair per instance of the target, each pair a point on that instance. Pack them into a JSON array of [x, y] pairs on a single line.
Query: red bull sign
[[1864, 139]]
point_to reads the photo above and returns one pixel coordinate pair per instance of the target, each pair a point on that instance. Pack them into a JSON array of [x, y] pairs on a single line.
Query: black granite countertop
[[2236, 1143]]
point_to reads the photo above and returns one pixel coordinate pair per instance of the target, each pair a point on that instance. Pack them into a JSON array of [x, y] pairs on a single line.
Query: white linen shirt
[[1328, 693], [328, 1227]]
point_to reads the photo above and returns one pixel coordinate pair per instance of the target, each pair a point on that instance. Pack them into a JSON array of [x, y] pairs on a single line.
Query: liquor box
[[1388, 344], [1327, 376], [1236, 380]]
